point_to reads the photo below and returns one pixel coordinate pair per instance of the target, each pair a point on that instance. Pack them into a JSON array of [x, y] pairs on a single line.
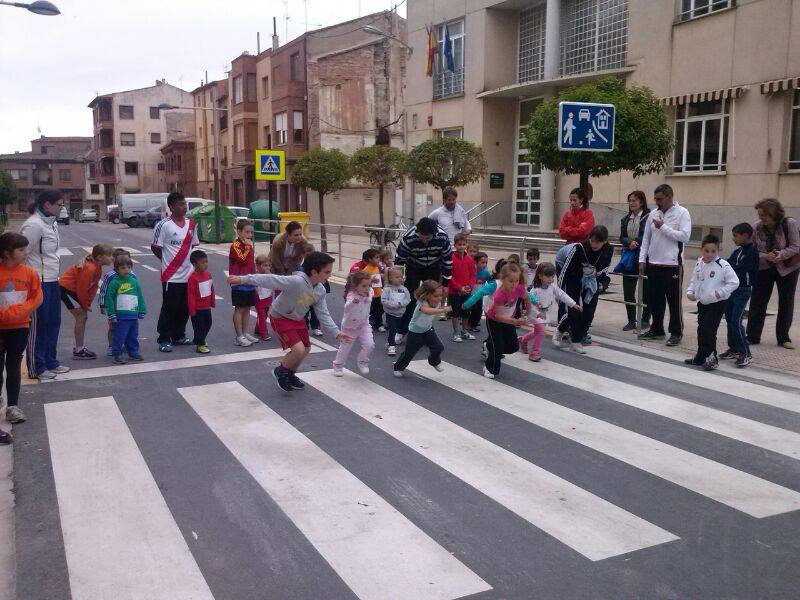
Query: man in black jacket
[[744, 261]]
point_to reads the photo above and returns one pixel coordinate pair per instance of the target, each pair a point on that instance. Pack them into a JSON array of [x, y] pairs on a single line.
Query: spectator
[[744, 262], [286, 254], [631, 233], [667, 229], [578, 221], [778, 242], [41, 230], [451, 216]]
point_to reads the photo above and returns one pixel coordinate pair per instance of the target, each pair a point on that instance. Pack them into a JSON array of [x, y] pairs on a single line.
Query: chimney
[[275, 43]]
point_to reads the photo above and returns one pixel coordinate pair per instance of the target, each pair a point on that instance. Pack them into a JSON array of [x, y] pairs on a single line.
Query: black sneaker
[[282, 379], [711, 363], [649, 335], [83, 354], [295, 382], [5, 437], [728, 355], [674, 340], [692, 362]]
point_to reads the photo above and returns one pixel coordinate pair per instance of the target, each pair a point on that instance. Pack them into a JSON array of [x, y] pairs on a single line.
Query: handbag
[[625, 264]]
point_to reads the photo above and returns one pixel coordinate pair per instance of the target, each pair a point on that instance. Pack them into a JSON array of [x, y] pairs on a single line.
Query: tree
[[8, 191], [642, 140], [379, 166], [323, 171], [446, 162]]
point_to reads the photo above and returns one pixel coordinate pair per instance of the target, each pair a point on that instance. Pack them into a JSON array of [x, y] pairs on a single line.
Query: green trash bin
[[207, 225], [264, 209]]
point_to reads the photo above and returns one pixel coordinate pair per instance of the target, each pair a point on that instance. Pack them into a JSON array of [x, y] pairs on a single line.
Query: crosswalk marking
[[131, 251], [709, 381], [148, 267], [119, 536], [739, 490], [589, 525], [377, 551], [703, 417], [64, 252]]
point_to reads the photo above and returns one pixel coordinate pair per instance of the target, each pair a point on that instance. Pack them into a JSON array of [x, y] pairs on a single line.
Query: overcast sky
[[52, 67]]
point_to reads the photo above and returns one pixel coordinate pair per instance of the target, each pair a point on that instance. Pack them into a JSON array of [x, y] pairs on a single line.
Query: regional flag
[[448, 50], [431, 51]]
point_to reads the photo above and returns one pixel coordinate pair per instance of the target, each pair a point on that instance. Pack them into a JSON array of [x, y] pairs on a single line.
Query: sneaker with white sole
[[363, 368], [391, 351], [83, 354], [61, 369], [397, 373], [484, 351], [488, 374], [46, 375], [338, 371], [466, 335], [253, 339], [243, 341], [399, 340], [578, 348], [457, 338], [317, 332], [15, 415], [381, 329], [439, 367]]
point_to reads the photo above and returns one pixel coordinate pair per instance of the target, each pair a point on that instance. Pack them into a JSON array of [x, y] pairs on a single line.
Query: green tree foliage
[[324, 171], [8, 191], [379, 166], [446, 162], [642, 141]]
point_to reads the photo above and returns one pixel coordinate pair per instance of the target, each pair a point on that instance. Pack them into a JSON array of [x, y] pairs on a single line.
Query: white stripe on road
[[221, 298], [64, 252], [376, 550], [703, 417], [226, 273], [119, 536], [719, 482], [587, 524], [316, 342], [149, 268]]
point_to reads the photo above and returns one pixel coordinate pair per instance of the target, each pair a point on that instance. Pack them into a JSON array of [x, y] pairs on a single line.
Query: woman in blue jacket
[[630, 236]]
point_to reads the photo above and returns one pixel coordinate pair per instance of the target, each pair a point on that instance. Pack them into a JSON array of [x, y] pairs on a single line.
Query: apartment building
[[727, 73], [213, 94], [180, 167], [129, 131], [53, 162]]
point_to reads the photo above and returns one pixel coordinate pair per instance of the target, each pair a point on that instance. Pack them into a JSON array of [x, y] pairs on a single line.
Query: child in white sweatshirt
[[713, 282], [394, 298], [355, 322]]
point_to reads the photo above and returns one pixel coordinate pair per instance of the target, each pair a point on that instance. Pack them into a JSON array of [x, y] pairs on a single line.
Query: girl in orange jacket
[[79, 285]]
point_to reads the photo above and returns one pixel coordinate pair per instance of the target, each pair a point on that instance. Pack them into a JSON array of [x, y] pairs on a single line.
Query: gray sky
[[52, 67]]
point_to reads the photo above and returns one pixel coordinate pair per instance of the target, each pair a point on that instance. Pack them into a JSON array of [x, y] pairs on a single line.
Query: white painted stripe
[[227, 274], [221, 298], [171, 365], [703, 379], [119, 534], [149, 268], [739, 490], [134, 261], [589, 525], [320, 344], [376, 550], [64, 252], [132, 251], [703, 417]]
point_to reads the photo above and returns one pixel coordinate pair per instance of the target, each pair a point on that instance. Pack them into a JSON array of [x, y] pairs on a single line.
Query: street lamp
[[213, 109], [40, 7], [375, 31]]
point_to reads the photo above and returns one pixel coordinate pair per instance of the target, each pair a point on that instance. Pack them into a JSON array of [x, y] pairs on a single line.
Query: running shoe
[[61, 369], [15, 415], [5, 437], [83, 354], [466, 335], [164, 347], [243, 341], [295, 382], [282, 379], [391, 351], [203, 349], [674, 340], [729, 355], [184, 341], [253, 339], [742, 361]]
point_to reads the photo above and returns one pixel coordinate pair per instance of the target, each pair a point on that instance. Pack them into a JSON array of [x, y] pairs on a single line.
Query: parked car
[[89, 214], [240, 212], [133, 207], [193, 203], [154, 215], [63, 216], [113, 214]]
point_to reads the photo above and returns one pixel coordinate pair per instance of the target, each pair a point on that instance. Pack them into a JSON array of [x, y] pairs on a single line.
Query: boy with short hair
[[529, 268], [460, 287], [125, 307], [299, 293], [201, 299], [101, 296], [744, 262], [713, 282]]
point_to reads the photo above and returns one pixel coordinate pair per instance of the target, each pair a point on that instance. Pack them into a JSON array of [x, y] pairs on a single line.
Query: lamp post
[[213, 109], [375, 31], [40, 7]]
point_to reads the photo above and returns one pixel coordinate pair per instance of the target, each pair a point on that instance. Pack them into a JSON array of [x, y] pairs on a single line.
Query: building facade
[[730, 95], [180, 167]]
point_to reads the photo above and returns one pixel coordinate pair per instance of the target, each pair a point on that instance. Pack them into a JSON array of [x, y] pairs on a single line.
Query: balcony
[[103, 116]]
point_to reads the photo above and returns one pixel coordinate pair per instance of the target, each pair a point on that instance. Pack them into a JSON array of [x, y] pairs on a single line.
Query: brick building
[[180, 167]]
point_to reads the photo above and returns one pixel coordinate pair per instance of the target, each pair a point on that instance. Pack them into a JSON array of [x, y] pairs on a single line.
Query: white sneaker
[[466, 335], [363, 368], [487, 374], [399, 340], [556, 338], [61, 369], [338, 371], [457, 338], [15, 415], [398, 373], [382, 329], [484, 350], [252, 338], [391, 351], [243, 341], [317, 332], [439, 367], [578, 348], [46, 375]]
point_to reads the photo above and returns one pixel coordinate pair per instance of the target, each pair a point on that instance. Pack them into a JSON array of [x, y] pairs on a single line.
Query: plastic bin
[[264, 209], [300, 217], [207, 225]]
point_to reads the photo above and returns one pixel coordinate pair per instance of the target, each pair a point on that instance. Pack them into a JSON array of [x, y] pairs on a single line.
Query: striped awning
[[780, 85], [723, 94]]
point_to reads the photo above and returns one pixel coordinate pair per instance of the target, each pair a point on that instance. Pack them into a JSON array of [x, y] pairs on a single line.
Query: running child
[[201, 299], [482, 276], [529, 268], [395, 298], [241, 261], [125, 307], [79, 285], [500, 320], [101, 296], [20, 296], [264, 296], [421, 333], [299, 293], [462, 281], [713, 282], [355, 322], [744, 262], [482, 297]]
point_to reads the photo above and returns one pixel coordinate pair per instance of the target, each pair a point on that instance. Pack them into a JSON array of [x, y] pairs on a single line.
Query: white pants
[[364, 335]]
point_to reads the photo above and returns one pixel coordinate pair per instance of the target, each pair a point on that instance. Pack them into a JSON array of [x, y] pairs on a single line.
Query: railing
[[448, 83]]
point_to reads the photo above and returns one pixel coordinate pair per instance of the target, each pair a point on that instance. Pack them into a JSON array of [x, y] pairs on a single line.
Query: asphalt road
[[620, 474]]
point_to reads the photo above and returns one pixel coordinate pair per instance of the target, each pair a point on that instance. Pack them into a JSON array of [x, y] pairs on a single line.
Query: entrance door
[[527, 185]]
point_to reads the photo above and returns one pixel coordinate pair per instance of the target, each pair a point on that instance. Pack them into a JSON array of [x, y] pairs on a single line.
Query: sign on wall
[[586, 127], [270, 165], [497, 181]]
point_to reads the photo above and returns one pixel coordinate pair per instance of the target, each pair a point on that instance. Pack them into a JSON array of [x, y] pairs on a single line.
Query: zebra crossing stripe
[[119, 535], [64, 252], [589, 525], [376, 550], [729, 486], [710, 419]]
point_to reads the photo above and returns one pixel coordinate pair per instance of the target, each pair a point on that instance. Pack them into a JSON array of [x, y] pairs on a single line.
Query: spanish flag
[[432, 49]]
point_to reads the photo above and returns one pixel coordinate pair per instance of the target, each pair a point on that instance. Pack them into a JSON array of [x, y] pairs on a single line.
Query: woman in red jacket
[[578, 221]]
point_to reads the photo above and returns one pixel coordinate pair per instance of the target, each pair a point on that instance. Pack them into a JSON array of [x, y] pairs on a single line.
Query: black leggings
[[12, 345], [502, 340], [414, 342]]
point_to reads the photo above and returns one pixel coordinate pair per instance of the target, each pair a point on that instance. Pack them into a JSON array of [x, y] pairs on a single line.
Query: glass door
[[527, 183]]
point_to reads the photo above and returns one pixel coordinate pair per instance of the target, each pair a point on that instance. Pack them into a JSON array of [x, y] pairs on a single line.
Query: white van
[[132, 207]]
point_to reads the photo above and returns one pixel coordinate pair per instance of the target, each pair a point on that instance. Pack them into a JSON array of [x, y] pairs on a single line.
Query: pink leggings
[[537, 335]]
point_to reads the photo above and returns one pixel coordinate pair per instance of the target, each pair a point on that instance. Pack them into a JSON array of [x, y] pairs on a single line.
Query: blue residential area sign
[[586, 127]]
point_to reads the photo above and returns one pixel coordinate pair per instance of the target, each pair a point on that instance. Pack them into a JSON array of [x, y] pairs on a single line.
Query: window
[[131, 168], [280, 128], [94, 188], [154, 112], [125, 111], [274, 75], [180, 163], [297, 126], [265, 87], [202, 164], [252, 92], [155, 138], [127, 139], [267, 137], [237, 89], [531, 44], [455, 132], [43, 176], [92, 170], [44, 149], [16, 174], [238, 138], [64, 175], [701, 137], [161, 166], [691, 9], [794, 132], [594, 35], [448, 82], [294, 67]]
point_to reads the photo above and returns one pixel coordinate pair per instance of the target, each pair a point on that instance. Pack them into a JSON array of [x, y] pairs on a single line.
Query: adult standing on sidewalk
[[578, 221], [631, 233], [778, 241], [426, 253], [451, 216], [173, 240], [41, 230], [661, 258], [287, 250]]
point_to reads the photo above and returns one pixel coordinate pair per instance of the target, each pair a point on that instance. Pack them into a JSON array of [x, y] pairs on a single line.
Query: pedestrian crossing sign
[[270, 165]]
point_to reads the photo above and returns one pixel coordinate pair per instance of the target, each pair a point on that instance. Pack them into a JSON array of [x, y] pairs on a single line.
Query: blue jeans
[[125, 337], [45, 324], [737, 339]]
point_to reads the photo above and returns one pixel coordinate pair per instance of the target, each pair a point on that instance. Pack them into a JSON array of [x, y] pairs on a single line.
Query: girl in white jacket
[[713, 282], [355, 322]]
